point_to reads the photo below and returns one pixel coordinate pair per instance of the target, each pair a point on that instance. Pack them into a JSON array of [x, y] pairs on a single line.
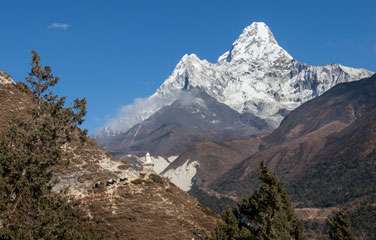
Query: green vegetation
[[29, 150], [340, 227], [232, 228], [215, 203], [266, 215], [339, 178], [363, 220]]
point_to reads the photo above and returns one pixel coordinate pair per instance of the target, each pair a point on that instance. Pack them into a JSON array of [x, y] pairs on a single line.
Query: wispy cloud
[[59, 26], [142, 108]]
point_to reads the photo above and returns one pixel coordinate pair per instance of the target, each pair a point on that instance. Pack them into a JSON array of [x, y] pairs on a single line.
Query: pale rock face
[[183, 175], [161, 163], [5, 78], [158, 163], [256, 75]]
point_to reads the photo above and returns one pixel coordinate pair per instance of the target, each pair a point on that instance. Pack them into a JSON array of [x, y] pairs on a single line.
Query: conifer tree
[[231, 229], [266, 215], [29, 150], [340, 227]]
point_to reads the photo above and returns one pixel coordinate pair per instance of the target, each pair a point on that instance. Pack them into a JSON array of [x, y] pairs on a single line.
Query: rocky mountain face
[[204, 163], [325, 152], [308, 134], [215, 158], [123, 202], [194, 117]]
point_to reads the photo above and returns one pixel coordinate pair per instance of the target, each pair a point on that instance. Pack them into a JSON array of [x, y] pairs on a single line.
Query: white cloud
[[59, 25], [136, 112]]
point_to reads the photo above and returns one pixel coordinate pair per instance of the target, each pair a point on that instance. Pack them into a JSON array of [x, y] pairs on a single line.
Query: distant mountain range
[[251, 88], [256, 75]]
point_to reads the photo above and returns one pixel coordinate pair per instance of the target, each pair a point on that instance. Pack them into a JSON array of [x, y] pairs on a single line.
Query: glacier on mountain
[[256, 75]]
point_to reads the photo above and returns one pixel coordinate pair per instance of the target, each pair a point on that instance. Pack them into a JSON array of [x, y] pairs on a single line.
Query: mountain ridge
[[320, 130], [256, 75], [194, 116]]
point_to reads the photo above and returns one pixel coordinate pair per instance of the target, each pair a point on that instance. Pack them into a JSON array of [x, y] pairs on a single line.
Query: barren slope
[[123, 204]]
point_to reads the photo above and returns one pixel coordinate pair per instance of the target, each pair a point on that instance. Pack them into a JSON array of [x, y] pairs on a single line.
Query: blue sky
[[113, 51]]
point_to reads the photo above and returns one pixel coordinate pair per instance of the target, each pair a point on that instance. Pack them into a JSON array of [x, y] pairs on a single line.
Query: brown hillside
[[129, 207]]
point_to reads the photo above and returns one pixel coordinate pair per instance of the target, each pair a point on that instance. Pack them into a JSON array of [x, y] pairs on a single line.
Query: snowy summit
[[256, 75], [255, 44]]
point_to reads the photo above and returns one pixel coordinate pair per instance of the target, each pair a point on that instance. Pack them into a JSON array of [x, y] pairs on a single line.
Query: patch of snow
[[358, 72]]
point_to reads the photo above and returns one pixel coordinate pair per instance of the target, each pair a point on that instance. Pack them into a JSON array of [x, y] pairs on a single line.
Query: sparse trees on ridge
[[29, 150]]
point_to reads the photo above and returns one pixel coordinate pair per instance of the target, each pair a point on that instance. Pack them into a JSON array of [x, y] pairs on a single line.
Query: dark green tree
[[266, 215], [29, 151], [231, 228], [340, 226]]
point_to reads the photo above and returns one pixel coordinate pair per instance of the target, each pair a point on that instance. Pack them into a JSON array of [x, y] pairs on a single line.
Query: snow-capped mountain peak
[[256, 43], [256, 76], [259, 31], [188, 64]]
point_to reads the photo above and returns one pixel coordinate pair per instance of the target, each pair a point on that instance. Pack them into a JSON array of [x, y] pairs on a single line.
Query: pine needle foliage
[[340, 227]]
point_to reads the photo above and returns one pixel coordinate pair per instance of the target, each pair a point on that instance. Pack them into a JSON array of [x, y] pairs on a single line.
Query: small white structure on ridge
[[148, 164]]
